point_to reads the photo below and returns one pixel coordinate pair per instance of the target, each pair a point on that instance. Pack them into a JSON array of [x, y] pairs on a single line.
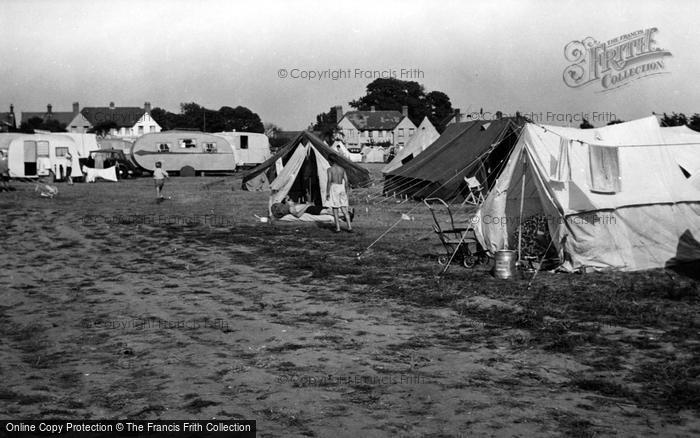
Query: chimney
[[499, 115], [48, 109], [338, 113], [373, 108], [404, 110], [458, 115], [12, 115], [147, 107], [76, 108], [111, 105]]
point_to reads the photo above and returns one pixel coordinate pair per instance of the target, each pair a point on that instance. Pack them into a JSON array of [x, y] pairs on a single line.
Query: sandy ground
[[102, 318]]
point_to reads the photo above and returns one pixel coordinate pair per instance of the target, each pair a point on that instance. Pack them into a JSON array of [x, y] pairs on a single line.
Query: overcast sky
[[499, 55]]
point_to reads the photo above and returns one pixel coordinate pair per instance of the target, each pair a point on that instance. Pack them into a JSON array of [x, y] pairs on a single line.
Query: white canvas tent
[[614, 197], [685, 152], [424, 137], [300, 170], [373, 154], [340, 148], [280, 187], [84, 143]]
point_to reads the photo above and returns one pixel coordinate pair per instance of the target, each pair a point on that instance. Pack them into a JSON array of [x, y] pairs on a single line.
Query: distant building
[[62, 117], [8, 121], [361, 128], [130, 121]]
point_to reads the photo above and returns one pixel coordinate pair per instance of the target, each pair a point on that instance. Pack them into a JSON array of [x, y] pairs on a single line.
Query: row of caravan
[[34, 155]]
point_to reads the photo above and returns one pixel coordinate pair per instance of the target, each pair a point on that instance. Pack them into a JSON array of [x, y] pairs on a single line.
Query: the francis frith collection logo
[[614, 63]]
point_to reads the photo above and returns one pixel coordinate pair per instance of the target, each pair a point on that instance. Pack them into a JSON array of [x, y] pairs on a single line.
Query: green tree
[[103, 128], [393, 94], [674, 120], [167, 120], [241, 119], [585, 124], [196, 117], [694, 122], [38, 123], [327, 126]]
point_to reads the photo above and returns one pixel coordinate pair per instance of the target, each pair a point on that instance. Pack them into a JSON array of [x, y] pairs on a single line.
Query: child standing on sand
[[159, 176]]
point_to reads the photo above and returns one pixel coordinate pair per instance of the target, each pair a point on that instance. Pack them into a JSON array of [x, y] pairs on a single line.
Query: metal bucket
[[505, 264]]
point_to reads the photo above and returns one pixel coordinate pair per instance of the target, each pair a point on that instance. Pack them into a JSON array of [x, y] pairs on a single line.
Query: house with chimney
[[374, 127], [8, 121], [62, 117], [129, 121]]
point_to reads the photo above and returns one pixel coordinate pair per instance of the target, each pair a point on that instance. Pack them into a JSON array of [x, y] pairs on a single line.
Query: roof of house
[[123, 116], [374, 120], [63, 117]]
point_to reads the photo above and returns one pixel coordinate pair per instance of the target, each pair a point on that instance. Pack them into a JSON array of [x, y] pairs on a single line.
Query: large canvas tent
[[468, 149], [614, 197], [299, 169], [425, 135], [685, 152]]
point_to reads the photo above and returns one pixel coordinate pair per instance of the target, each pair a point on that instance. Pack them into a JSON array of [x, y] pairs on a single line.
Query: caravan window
[[188, 143], [164, 147], [210, 147], [42, 148], [61, 151], [244, 142]]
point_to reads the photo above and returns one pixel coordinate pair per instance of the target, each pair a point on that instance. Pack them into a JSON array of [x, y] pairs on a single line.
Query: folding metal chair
[[476, 195]]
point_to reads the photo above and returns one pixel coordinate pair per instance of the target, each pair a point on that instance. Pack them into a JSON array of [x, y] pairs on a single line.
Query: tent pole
[[520, 215]]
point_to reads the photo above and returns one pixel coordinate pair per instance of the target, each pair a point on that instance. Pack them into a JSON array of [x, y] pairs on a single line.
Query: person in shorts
[[159, 176], [337, 192]]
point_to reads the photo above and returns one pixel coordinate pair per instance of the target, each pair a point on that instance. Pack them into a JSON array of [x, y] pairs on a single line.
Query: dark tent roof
[[357, 176], [466, 149], [374, 120]]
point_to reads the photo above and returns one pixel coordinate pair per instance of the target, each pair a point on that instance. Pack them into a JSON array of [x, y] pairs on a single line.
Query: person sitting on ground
[[288, 206]]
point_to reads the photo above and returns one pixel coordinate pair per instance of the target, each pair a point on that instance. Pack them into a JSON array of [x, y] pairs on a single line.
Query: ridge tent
[[685, 153], [467, 149], [301, 177], [340, 148], [425, 135], [613, 197], [373, 154]]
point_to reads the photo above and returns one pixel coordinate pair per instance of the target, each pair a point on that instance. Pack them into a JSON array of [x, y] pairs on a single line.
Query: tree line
[[393, 94], [196, 117], [674, 119], [191, 117]]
